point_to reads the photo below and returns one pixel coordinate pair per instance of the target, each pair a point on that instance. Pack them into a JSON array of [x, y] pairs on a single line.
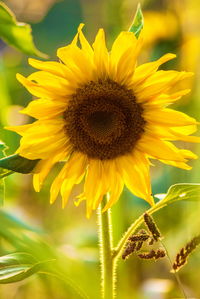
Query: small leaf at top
[[17, 34], [138, 22]]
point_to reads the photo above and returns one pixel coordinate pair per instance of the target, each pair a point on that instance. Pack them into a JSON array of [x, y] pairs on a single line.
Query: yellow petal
[[186, 138], [34, 88], [70, 175], [166, 99], [135, 172], [57, 85], [77, 61], [160, 82], [43, 168], [168, 117], [84, 43], [43, 148], [114, 181], [177, 164], [143, 71], [159, 149], [123, 57], [188, 154], [94, 192], [101, 57], [53, 67], [21, 130], [42, 108], [165, 132], [40, 128]]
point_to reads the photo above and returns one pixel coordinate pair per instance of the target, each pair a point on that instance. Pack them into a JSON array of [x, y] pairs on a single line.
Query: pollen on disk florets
[[103, 120]]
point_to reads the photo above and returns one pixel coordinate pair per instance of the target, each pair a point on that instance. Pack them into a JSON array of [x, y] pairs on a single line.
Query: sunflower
[[105, 117]]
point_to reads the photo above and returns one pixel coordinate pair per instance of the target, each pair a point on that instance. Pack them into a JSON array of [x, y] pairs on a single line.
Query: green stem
[[106, 259]]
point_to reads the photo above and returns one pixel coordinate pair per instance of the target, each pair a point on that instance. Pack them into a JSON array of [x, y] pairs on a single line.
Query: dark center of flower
[[103, 120]]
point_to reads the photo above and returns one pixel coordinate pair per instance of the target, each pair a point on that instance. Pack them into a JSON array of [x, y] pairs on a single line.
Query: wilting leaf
[[17, 34], [16, 163], [18, 266], [189, 192], [138, 22]]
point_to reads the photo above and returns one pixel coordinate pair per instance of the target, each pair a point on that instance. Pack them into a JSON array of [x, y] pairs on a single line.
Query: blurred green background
[[30, 224]]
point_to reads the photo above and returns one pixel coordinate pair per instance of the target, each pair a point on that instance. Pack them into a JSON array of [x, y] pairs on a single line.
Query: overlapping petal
[[72, 173]]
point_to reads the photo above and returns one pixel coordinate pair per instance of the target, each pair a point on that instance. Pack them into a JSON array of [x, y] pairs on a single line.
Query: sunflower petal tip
[[19, 77], [88, 211], [150, 200], [88, 214], [36, 182], [8, 128], [37, 189], [52, 200], [80, 27], [30, 60], [189, 74], [23, 111], [172, 55], [33, 62]]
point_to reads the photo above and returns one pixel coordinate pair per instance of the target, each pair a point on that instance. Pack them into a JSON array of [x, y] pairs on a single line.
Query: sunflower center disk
[[103, 120]]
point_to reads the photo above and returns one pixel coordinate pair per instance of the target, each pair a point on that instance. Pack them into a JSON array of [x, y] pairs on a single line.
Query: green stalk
[[107, 262]]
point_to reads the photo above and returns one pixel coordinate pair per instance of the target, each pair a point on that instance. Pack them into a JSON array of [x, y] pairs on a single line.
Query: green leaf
[[34, 247], [17, 258], [17, 34], [138, 22], [2, 192], [3, 172], [16, 163], [18, 266], [178, 192], [10, 221], [3, 147]]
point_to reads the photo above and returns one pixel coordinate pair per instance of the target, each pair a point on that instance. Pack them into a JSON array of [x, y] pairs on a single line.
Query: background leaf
[[34, 254], [17, 34], [138, 22], [18, 266], [16, 163], [178, 192], [4, 173]]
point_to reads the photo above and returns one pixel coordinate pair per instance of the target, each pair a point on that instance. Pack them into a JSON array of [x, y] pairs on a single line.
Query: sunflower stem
[[107, 262]]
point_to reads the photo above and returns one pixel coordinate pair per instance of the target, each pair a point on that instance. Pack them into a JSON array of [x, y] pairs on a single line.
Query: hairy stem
[[106, 259]]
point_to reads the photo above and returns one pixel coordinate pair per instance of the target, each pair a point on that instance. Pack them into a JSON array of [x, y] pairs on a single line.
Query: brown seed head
[[103, 120]]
